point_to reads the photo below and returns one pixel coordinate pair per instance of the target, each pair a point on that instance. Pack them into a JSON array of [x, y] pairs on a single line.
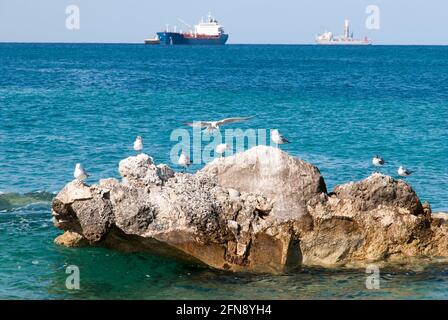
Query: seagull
[[377, 161], [80, 174], [184, 160], [278, 138], [214, 125], [221, 148], [403, 172], [138, 144]]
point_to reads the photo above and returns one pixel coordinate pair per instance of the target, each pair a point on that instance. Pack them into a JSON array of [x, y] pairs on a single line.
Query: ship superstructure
[[327, 38], [208, 32]]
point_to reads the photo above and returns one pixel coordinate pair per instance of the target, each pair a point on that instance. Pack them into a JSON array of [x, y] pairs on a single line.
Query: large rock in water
[[289, 182], [260, 211]]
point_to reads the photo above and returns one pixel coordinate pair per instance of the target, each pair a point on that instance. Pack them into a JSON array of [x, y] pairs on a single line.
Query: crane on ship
[[186, 24]]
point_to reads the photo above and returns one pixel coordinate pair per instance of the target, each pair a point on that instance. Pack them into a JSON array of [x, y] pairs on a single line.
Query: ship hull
[[344, 43], [175, 38]]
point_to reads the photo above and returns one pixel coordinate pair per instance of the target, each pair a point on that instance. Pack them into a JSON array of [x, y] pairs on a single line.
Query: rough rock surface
[[288, 181], [71, 239], [260, 210]]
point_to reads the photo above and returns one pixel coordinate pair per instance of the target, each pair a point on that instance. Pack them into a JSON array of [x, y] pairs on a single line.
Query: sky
[[246, 21]]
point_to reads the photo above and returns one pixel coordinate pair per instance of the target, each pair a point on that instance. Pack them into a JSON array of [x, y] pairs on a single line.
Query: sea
[[61, 104]]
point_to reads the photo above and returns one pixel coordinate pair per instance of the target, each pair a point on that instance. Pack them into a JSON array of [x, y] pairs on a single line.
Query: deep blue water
[[61, 104]]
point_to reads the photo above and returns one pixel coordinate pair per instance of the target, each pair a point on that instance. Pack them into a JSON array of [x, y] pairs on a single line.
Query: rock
[[440, 218], [260, 211], [75, 191], [164, 172], [241, 249], [369, 220], [234, 227], [140, 171], [71, 239], [234, 194], [378, 190], [289, 182], [427, 208]]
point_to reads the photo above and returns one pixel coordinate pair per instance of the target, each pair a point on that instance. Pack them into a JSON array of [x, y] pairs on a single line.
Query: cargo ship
[[327, 38], [208, 32]]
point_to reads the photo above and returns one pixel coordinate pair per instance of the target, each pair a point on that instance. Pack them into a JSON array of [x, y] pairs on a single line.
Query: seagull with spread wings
[[214, 125]]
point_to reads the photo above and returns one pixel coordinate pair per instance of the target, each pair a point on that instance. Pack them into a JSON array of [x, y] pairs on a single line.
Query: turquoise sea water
[[61, 104]]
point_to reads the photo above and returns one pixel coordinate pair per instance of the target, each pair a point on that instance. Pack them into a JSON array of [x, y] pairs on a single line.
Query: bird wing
[[232, 120], [200, 124]]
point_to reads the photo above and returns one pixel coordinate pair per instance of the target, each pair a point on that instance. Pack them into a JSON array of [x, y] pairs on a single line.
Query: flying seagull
[[214, 125], [138, 144], [403, 172], [377, 161], [80, 174], [221, 148], [184, 160], [277, 138]]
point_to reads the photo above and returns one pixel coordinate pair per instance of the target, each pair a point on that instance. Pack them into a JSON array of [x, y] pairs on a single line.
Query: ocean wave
[[12, 201]]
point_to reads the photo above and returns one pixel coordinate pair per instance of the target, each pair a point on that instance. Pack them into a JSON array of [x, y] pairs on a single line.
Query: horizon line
[[227, 44]]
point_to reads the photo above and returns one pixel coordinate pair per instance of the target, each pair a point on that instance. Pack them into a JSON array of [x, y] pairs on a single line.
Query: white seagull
[[403, 172], [377, 161], [184, 160], [138, 144], [80, 174], [278, 138], [214, 125], [221, 148]]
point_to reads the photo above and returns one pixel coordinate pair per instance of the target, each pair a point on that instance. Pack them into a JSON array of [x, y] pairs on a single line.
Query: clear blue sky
[[247, 21]]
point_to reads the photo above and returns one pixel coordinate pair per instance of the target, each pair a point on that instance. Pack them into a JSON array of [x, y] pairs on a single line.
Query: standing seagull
[[221, 148], [138, 144], [184, 160], [214, 125], [80, 174], [377, 161], [403, 172], [278, 138]]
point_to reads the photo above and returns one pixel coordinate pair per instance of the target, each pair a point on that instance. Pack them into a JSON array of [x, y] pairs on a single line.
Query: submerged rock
[[71, 239], [261, 210]]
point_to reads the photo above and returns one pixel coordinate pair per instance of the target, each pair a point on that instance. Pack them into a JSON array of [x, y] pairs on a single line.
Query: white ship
[[327, 38]]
